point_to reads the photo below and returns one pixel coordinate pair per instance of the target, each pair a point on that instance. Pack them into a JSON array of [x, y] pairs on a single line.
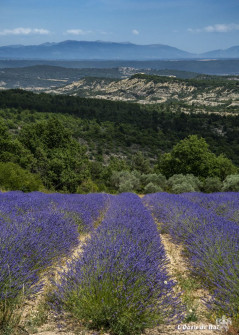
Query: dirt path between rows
[[33, 310], [193, 295]]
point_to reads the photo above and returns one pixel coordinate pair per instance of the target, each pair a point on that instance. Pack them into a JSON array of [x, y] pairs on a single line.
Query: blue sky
[[191, 25]]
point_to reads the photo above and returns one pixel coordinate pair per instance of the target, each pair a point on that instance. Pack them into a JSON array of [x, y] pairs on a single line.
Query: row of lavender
[[120, 281], [36, 229], [208, 226]]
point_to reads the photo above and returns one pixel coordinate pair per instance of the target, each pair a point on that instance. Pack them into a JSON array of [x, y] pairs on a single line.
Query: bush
[[156, 179], [152, 188], [13, 177], [180, 183], [125, 181], [212, 184], [182, 188], [88, 186], [231, 183], [126, 186]]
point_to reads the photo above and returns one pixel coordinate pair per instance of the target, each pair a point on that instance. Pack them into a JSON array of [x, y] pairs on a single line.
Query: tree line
[[45, 156]]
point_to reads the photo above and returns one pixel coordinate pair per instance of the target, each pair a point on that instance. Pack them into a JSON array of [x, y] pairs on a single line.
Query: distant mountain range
[[98, 50], [232, 52]]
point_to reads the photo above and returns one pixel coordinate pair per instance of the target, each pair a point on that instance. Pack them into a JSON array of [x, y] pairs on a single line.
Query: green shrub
[[10, 314], [87, 186], [212, 184], [184, 187], [13, 177], [156, 179], [126, 186], [231, 183], [180, 183], [152, 188], [125, 181]]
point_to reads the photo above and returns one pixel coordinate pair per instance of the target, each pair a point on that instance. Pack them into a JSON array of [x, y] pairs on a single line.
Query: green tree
[[212, 184], [87, 186], [193, 156], [13, 177], [140, 163], [224, 167], [11, 150], [59, 159]]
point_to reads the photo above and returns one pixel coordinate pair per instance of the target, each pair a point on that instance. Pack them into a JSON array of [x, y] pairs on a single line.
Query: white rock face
[[148, 92]]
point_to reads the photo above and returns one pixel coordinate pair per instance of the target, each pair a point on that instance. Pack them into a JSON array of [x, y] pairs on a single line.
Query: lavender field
[[117, 274]]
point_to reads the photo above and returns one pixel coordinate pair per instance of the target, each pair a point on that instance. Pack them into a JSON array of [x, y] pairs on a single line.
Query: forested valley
[[72, 144]]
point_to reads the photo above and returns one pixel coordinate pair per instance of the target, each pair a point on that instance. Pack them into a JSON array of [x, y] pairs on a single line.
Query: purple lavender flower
[[119, 281]]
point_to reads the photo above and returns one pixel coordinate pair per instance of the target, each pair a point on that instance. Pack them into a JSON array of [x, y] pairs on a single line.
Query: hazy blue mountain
[[98, 50], [232, 52], [78, 50]]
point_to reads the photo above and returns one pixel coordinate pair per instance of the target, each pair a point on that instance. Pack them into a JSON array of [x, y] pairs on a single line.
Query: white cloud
[[216, 28], [78, 32], [135, 32], [24, 31], [41, 31]]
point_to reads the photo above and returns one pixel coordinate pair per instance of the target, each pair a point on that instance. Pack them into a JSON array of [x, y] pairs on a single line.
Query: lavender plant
[[222, 204], [120, 282], [208, 227], [35, 230]]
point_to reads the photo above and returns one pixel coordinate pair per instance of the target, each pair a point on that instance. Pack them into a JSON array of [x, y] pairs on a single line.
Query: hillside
[[41, 77], [202, 92], [121, 129]]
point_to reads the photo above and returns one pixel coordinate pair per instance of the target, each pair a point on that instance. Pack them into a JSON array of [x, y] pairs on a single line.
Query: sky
[[191, 25]]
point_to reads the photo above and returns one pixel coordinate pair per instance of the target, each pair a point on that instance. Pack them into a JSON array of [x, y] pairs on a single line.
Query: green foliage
[[152, 188], [118, 126], [156, 179], [13, 177], [184, 187], [224, 167], [50, 146], [134, 181], [212, 184], [139, 163], [59, 159], [11, 150], [117, 164], [125, 181], [10, 314], [192, 156], [104, 306], [180, 183], [231, 184], [87, 186]]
